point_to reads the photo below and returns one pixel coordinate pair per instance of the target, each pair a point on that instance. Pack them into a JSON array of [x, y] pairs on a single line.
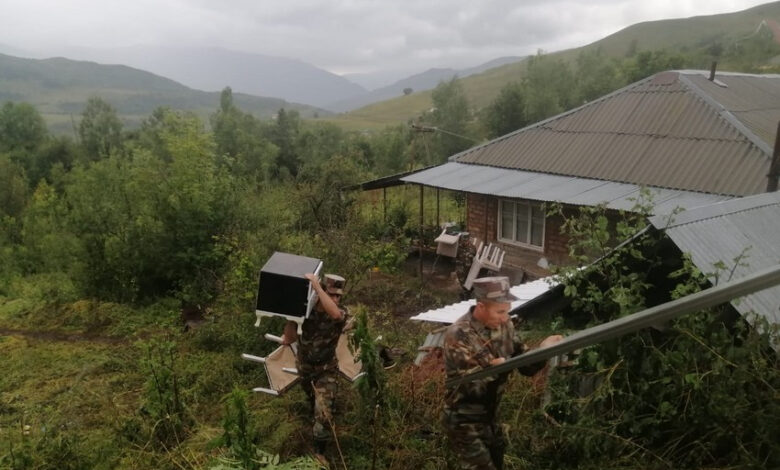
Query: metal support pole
[[422, 189], [486, 201], [652, 316], [438, 219], [384, 204]]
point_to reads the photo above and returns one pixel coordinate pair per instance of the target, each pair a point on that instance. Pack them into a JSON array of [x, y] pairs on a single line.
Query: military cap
[[495, 289], [334, 284]]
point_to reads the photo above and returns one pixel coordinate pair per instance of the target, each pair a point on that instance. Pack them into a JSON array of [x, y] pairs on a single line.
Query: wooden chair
[[490, 257]]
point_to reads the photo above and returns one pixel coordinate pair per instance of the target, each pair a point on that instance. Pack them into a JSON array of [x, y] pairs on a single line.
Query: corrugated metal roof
[[546, 187], [747, 229], [674, 130], [450, 313], [435, 339]]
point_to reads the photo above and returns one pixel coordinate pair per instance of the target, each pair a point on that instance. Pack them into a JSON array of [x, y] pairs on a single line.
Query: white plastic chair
[[490, 257]]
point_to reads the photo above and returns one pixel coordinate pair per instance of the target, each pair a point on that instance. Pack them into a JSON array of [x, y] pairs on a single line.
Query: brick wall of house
[[482, 222]]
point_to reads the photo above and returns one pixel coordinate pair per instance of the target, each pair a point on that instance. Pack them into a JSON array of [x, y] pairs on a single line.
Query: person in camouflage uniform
[[481, 338], [316, 359], [463, 261]]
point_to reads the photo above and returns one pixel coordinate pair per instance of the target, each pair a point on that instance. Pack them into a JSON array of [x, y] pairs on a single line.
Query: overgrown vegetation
[[106, 242], [700, 392]]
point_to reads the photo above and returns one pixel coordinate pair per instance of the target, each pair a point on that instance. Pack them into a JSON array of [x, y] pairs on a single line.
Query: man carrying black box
[[316, 360]]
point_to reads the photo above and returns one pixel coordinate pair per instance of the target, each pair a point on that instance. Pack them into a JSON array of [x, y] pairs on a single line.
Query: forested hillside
[[60, 89], [744, 41]]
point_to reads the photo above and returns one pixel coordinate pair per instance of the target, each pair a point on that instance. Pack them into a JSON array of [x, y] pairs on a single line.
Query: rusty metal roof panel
[[746, 229], [669, 130]]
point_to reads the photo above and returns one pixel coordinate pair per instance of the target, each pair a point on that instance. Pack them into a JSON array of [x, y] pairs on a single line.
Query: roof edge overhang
[[547, 187], [383, 182]]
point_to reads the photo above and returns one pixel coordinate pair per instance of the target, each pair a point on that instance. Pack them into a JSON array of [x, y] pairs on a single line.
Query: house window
[[521, 222]]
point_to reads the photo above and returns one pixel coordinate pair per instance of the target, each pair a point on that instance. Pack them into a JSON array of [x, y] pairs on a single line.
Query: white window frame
[[527, 205]]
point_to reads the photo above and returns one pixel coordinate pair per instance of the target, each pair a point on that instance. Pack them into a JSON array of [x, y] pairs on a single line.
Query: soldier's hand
[[290, 334], [550, 340], [496, 361], [312, 278]]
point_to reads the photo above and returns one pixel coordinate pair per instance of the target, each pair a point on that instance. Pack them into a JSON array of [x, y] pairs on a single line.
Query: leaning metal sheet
[[450, 313]]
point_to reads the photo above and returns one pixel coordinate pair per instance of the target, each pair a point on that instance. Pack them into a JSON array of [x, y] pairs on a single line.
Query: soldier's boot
[[319, 453], [499, 446]]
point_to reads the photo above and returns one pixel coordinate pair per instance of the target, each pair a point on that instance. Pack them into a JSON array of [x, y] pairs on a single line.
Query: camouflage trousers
[[321, 386], [477, 445]]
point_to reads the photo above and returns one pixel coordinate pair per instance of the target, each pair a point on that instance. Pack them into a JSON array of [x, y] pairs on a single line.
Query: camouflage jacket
[[320, 335], [469, 346]]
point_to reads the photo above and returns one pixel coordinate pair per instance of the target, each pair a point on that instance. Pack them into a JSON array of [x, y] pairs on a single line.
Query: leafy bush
[[240, 440], [164, 405], [698, 392]]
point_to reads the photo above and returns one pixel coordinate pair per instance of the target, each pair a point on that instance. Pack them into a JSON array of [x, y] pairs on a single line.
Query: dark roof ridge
[[726, 114], [706, 73], [643, 134]]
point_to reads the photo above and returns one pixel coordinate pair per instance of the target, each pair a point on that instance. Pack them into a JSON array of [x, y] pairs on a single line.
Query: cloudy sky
[[343, 36]]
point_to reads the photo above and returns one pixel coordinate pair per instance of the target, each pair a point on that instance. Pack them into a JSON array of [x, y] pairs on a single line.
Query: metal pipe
[[252, 358], [774, 165], [652, 316], [274, 338]]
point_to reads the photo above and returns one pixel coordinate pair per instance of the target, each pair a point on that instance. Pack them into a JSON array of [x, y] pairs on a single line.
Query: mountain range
[[419, 82], [60, 87], [177, 77], [212, 69]]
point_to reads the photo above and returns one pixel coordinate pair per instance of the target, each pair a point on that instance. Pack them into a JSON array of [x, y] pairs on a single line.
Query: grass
[[72, 372]]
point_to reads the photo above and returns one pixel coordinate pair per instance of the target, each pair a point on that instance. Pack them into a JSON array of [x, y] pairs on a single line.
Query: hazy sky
[[342, 36]]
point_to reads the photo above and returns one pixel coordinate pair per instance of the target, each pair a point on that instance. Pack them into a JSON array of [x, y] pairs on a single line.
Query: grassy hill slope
[[59, 88], [683, 35]]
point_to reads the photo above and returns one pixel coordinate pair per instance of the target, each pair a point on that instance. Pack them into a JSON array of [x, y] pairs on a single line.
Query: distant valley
[[59, 88]]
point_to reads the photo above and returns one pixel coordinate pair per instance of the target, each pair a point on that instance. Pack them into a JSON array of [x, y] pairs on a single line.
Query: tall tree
[[100, 129], [450, 116], [240, 138], [646, 63], [13, 187], [284, 134], [150, 225], [507, 112], [22, 129], [550, 86], [596, 75]]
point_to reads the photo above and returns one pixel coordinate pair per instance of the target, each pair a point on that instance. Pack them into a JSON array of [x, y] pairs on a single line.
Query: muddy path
[[60, 336]]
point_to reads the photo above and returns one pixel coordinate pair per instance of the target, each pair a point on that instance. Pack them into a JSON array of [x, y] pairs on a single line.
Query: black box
[[283, 289]]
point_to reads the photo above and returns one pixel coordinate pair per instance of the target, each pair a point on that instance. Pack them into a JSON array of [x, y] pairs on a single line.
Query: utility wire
[[420, 128]]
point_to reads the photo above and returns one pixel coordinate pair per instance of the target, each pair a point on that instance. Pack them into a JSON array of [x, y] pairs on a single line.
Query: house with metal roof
[[691, 138], [742, 234], [727, 241]]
